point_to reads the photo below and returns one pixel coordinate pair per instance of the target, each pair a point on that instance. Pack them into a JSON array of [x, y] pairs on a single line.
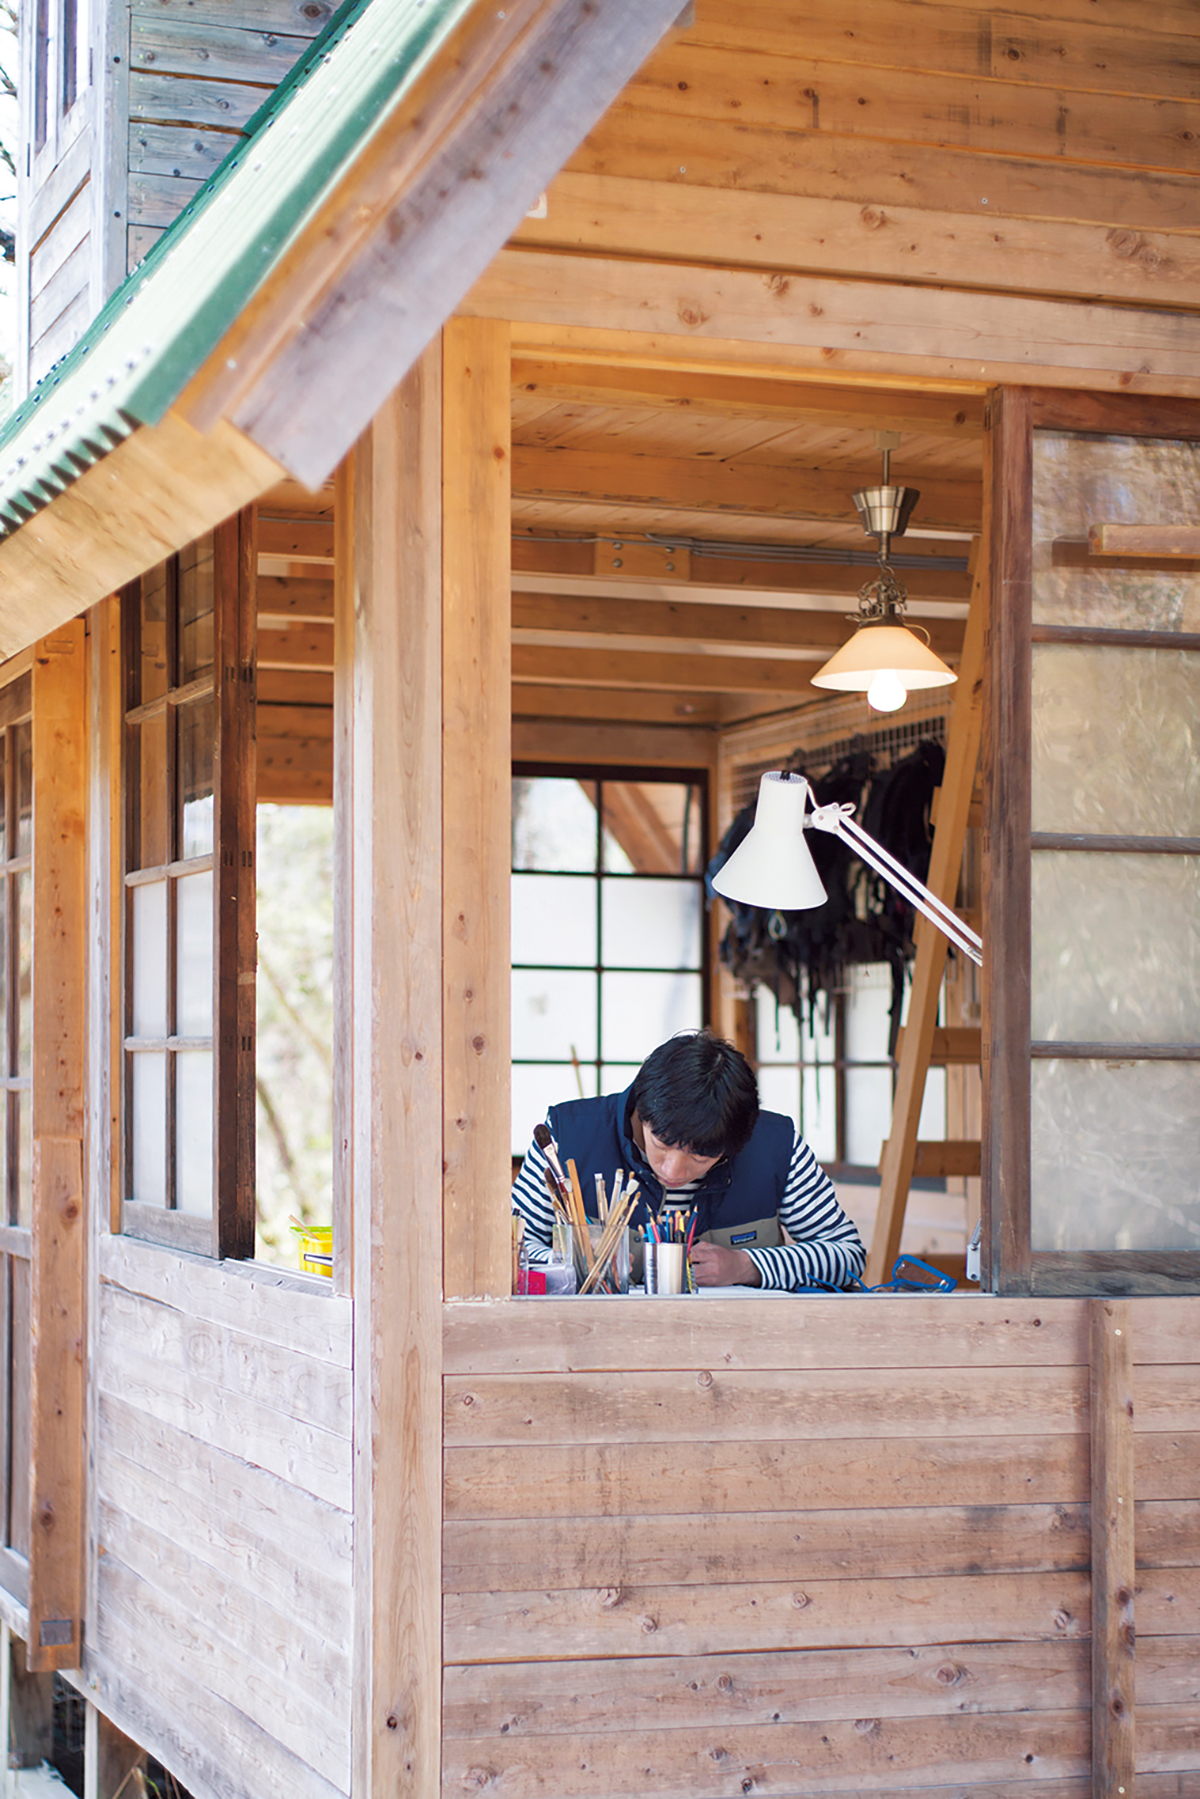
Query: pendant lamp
[[885, 659]]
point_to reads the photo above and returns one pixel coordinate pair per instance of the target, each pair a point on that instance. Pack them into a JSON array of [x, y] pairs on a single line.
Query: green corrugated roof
[[169, 315]]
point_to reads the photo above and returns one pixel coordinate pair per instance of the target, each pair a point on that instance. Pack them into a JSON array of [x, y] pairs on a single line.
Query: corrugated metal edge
[[169, 315]]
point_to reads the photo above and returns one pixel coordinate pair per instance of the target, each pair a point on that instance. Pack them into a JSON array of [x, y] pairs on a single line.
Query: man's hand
[[717, 1267]]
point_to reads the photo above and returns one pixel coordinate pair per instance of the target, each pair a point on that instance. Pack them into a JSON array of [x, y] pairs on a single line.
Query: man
[[691, 1131]]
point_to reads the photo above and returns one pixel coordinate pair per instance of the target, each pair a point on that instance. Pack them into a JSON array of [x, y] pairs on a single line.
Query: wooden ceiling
[[614, 618]]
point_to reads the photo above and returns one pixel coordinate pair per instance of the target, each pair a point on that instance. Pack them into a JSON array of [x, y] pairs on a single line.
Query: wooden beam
[[476, 838], [953, 416], [58, 1396], [614, 705], [730, 320], [772, 490], [158, 490], [282, 599], [443, 178], [935, 1159], [787, 233], [769, 627], [303, 646], [1144, 540], [1113, 1551], [607, 741], [664, 670], [389, 873]]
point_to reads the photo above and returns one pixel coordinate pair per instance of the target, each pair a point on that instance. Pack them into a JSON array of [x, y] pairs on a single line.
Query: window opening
[[16, 1143], [609, 932]]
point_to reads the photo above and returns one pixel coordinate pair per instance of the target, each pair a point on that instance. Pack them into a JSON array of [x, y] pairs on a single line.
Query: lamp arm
[[837, 820]]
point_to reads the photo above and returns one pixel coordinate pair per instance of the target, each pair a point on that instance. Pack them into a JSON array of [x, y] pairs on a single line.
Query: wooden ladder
[[921, 1043]]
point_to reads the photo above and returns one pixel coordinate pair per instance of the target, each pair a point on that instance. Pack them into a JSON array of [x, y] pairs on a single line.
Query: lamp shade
[[874, 648], [773, 866]]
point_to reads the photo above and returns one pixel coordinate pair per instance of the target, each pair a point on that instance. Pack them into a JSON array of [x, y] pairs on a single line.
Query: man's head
[[697, 1093]]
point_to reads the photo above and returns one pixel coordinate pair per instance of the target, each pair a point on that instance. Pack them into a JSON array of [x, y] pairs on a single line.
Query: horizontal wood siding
[[59, 275], [833, 1546], [223, 1559], [197, 75]]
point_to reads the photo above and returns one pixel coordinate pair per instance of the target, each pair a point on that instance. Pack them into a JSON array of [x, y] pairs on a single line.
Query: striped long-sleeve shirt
[[825, 1245]]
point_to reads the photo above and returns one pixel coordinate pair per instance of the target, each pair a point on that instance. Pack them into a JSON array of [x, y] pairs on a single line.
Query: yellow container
[[316, 1248]]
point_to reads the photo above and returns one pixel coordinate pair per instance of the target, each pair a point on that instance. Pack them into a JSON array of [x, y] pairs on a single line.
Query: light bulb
[[887, 692]]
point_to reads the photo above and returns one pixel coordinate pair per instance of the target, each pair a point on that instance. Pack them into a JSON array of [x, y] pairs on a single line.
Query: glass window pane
[[24, 1105], [148, 679], [1084, 480], [931, 1126], [22, 749], [640, 1011], [818, 1092], [650, 827], [7, 1065], [9, 1208], [868, 1013], [779, 1091], [650, 924], [194, 1131], [538, 1086], [868, 1114], [24, 972], [149, 949], [4, 737], [553, 823], [1116, 948], [777, 1029], [148, 1075], [553, 1014], [554, 920], [148, 775], [196, 609], [1115, 740], [196, 725], [817, 1033], [194, 955], [1115, 1155]]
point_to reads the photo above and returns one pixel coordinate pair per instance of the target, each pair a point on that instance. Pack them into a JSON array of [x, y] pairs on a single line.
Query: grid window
[[608, 930]]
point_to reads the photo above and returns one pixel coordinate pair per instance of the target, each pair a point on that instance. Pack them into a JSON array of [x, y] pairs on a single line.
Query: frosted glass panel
[[1115, 741], [868, 1113], [148, 1073], [819, 1119], [24, 1160], [1079, 481], [149, 905], [1116, 948], [779, 1091], [553, 824], [535, 1089], [640, 1011], [867, 1013], [24, 972], [194, 955], [193, 1131], [777, 1029], [553, 1013], [650, 924], [554, 920], [1115, 1155]]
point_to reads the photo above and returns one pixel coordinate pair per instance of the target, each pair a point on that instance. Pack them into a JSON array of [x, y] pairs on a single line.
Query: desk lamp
[[773, 867]]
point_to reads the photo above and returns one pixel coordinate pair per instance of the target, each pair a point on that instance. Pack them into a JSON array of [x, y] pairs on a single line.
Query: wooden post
[[1113, 1566], [476, 683], [390, 856], [56, 1557], [109, 1758]]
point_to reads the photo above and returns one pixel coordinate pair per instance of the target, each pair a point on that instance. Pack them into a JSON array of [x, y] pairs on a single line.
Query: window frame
[[1011, 1265], [230, 1231]]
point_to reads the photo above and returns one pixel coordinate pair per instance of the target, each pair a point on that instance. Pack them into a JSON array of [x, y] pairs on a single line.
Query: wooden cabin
[[465, 388]]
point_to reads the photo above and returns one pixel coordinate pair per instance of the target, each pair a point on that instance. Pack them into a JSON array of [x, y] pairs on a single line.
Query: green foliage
[[295, 1023]]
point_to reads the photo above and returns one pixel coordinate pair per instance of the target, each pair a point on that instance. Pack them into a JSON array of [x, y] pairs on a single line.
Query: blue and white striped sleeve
[[825, 1245], [531, 1199]]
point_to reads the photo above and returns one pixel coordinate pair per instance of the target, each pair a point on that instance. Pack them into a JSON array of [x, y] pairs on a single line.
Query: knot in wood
[[873, 217], [1124, 243], [1062, 1620], [704, 1378], [468, 1399], [747, 1785], [609, 1596], [725, 1683], [649, 1625], [393, 1722], [800, 1600], [695, 316], [866, 1726], [479, 1044], [777, 284], [717, 1754], [474, 1778], [949, 1674]]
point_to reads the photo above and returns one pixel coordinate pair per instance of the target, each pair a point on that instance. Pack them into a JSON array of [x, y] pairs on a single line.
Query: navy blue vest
[[746, 1191]]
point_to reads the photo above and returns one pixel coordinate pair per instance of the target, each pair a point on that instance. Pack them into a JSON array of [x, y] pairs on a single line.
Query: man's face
[[674, 1165]]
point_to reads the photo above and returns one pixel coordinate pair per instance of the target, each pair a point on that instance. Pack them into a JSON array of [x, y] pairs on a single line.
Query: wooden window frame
[[231, 1230], [1011, 1265]]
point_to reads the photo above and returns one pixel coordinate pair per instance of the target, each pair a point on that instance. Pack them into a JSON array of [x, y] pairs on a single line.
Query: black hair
[[697, 1092]]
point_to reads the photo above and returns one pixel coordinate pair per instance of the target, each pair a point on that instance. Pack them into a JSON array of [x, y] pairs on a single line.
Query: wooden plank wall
[[832, 1546], [219, 1627], [198, 73]]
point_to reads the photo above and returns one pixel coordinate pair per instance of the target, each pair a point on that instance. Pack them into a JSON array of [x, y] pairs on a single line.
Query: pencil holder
[[614, 1276]]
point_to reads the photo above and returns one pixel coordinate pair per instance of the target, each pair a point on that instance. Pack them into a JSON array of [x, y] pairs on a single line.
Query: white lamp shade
[[773, 866], [874, 648]]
